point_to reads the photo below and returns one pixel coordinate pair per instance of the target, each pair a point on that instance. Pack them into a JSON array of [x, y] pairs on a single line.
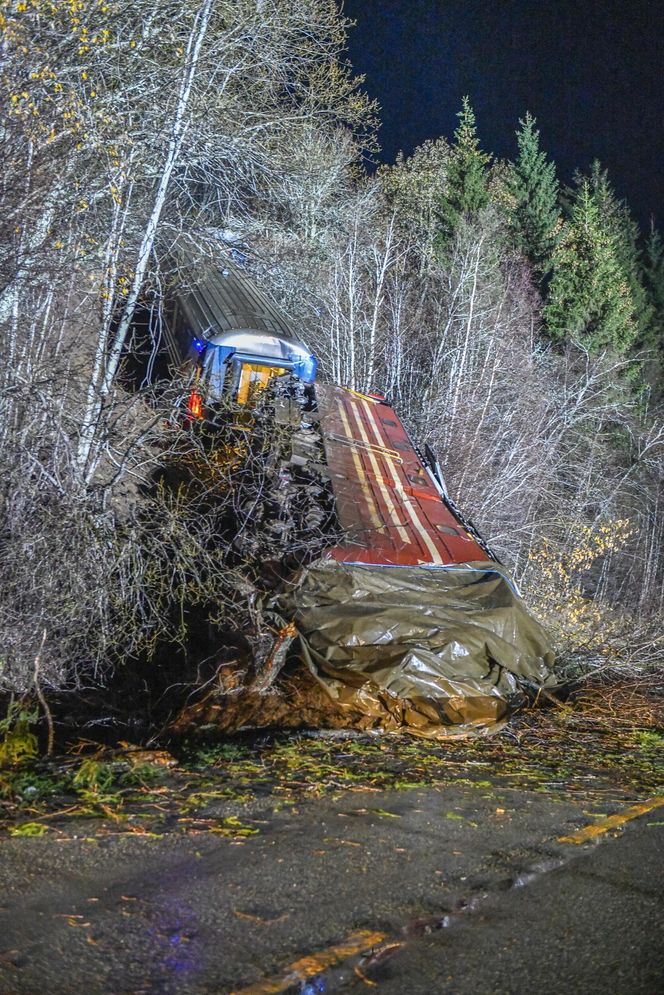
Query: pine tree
[[532, 208], [467, 190], [589, 298]]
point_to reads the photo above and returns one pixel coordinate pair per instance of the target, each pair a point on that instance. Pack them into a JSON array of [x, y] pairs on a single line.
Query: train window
[[390, 422], [447, 530]]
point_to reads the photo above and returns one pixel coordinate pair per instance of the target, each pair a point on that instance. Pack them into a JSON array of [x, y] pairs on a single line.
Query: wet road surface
[[456, 889]]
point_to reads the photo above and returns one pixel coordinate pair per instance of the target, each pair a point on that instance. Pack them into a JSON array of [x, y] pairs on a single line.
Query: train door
[[252, 379]]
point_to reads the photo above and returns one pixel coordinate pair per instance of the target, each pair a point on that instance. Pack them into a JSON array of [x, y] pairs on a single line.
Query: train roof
[[255, 343], [223, 300]]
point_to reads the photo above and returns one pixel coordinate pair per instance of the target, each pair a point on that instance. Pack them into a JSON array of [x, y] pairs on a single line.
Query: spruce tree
[[652, 338], [589, 298], [653, 272], [467, 190], [617, 220], [532, 202]]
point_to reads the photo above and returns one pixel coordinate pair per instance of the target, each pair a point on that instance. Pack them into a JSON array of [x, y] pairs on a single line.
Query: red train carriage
[[388, 503]]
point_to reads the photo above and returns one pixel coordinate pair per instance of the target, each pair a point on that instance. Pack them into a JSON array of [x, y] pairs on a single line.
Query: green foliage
[[28, 829], [217, 753], [649, 740], [616, 218], [233, 828], [652, 337], [653, 273], [532, 200], [554, 750], [589, 297], [467, 187], [93, 782], [623, 271], [30, 786], [414, 188], [19, 743], [93, 775], [143, 775]]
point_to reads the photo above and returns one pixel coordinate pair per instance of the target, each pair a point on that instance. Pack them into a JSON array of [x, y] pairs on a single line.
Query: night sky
[[590, 71]]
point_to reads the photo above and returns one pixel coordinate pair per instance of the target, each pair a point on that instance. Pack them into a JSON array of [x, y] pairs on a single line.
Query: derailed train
[[410, 620]]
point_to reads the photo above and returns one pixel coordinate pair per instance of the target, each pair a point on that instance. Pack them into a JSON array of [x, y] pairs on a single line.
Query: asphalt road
[[459, 889]]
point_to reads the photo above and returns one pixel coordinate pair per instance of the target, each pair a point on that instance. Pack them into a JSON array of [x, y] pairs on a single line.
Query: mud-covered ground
[[306, 863]]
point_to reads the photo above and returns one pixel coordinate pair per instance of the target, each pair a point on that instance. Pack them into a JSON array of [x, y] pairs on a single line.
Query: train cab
[[242, 362], [235, 335]]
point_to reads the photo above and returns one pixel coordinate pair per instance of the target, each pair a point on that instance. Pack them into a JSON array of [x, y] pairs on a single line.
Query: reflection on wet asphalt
[[418, 870]]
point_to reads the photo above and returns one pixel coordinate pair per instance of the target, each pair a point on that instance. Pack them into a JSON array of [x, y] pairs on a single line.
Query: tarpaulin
[[418, 648]]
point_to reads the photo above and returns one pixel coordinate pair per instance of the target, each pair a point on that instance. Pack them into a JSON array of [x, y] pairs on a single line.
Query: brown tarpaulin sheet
[[416, 648]]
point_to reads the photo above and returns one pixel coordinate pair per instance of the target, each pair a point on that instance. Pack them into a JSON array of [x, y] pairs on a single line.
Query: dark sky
[[590, 71]]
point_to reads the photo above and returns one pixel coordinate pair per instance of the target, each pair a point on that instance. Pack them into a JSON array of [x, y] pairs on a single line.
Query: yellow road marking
[[307, 967], [612, 821]]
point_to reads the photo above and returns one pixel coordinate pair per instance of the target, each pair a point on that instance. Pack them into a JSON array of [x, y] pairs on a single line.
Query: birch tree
[[129, 128], [164, 118]]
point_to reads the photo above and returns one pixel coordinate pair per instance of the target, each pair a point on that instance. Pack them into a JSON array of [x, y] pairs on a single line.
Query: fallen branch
[[276, 659]]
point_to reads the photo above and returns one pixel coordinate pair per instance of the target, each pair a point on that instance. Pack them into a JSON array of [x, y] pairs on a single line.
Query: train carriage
[[409, 620]]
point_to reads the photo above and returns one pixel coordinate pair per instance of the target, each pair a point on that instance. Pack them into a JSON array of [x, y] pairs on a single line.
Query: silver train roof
[[223, 300], [248, 340]]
